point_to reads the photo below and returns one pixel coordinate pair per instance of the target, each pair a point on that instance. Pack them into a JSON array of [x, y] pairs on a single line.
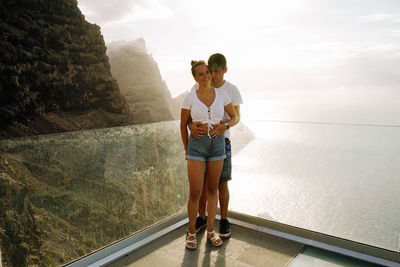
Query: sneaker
[[200, 223], [224, 228]]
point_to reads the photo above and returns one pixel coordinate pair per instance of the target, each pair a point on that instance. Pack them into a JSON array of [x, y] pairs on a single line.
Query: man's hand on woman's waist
[[218, 129], [197, 129]]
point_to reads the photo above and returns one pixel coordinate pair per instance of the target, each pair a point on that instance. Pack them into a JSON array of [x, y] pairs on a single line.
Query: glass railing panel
[[340, 180], [65, 195]]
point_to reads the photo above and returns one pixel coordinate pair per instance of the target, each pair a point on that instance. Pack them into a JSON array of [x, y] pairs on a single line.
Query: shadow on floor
[[245, 248]]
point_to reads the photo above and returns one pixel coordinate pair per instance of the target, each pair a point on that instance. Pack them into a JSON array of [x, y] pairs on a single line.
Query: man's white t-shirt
[[232, 91], [201, 113]]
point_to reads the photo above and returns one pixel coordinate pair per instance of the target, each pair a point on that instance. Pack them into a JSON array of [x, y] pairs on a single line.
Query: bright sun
[[234, 14]]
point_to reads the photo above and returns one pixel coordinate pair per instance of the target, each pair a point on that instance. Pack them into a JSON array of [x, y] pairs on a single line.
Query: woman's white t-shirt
[[201, 113], [234, 95]]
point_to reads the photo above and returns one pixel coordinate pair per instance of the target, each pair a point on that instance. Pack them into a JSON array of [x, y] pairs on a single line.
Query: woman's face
[[202, 75]]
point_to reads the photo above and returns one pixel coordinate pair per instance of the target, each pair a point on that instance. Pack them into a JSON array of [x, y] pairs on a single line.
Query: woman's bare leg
[[213, 174], [196, 171], [203, 203]]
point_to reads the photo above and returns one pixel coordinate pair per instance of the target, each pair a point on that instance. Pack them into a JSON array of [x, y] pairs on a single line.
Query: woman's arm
[[185, 116]]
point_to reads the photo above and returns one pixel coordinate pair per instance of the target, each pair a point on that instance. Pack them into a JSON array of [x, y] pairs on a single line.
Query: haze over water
[[342, 180]]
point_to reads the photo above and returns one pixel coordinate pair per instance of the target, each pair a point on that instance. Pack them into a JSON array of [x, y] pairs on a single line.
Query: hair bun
[[193, 62]]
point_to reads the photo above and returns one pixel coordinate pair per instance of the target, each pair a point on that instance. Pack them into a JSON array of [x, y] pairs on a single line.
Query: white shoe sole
[[225, 235]]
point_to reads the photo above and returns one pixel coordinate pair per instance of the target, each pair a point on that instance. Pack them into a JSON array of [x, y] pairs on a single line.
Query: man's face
[[217, 74]]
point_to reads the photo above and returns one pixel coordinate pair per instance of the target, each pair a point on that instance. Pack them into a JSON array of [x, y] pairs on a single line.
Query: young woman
[[205, 155]]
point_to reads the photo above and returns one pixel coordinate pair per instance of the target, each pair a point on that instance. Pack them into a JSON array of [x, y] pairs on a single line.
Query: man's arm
[[196, 129], [237, 109], [219, 129]]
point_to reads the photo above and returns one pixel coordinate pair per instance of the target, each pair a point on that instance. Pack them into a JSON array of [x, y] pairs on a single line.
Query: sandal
[[214, 239], [191, 240]]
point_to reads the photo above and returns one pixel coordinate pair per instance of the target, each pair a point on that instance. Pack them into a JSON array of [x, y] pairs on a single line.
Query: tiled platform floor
[[245, 248]]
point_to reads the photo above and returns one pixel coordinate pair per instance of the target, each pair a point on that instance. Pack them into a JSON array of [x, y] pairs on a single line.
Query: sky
[[301, 60]]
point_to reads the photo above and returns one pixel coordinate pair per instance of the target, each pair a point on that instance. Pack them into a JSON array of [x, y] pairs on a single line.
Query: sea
[[338, 179]]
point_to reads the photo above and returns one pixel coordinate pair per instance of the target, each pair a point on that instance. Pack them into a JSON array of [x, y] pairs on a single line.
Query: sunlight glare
[[251, 15]]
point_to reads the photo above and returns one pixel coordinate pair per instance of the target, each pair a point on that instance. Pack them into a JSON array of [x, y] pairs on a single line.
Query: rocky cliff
[[63, 198], [52, 61], [65, 195], [20, 237], [55, 74], [140, 82]]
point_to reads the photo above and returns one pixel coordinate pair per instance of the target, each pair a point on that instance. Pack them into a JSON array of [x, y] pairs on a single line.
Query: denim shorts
[[226, 174], [206, 148]]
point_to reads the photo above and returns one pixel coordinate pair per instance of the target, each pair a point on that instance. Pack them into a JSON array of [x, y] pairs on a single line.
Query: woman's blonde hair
[[196, 63]]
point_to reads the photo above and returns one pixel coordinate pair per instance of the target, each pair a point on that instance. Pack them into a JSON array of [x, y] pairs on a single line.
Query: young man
[[217, 65]]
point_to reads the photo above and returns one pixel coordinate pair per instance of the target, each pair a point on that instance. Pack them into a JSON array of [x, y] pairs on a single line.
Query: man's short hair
[[217, 60]]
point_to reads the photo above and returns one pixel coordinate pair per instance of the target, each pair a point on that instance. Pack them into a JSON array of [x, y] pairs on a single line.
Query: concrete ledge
[[339, 245], [131, 243]]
